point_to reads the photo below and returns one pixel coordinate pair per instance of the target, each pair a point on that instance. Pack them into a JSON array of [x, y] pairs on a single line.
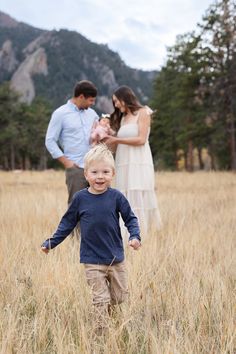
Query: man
[[68, 134]]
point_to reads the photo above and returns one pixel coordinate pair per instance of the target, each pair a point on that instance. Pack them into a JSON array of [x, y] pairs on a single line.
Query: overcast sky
[[139, 30]]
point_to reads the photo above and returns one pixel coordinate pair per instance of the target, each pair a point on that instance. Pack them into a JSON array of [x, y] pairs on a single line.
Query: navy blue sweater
[[98, 214]]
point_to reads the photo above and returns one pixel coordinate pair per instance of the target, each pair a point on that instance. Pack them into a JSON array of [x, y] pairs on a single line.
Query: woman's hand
[[110, 140]]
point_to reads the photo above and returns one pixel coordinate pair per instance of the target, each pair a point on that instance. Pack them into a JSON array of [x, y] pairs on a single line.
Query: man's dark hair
[[86, 88]]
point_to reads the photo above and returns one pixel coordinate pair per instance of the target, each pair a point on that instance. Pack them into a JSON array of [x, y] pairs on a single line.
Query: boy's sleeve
[[66, 225], [129, 218]]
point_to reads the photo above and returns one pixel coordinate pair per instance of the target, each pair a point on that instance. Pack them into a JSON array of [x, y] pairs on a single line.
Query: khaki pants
[[109, 287], [109, 283]]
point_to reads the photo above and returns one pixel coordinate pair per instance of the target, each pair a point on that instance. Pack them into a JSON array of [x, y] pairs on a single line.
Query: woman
[[134, 164]]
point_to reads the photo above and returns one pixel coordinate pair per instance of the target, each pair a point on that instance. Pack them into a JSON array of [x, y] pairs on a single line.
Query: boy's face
[[99, 176]]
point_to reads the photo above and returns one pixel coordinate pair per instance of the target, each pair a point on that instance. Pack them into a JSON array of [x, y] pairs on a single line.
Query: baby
[[101, 129]]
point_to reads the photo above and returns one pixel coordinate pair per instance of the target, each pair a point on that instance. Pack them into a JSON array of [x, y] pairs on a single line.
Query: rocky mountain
[[48, 63]]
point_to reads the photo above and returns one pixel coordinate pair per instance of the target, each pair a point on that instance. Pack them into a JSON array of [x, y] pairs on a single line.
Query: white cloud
[[138, 30]]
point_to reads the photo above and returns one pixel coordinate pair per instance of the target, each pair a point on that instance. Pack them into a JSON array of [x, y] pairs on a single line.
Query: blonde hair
[[99, 152]]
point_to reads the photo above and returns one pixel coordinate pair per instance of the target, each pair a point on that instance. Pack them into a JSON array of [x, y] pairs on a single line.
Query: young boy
[[98, 209]]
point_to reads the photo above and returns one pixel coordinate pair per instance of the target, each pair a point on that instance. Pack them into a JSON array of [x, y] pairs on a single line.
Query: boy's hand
[[45, 250], [135, 244]]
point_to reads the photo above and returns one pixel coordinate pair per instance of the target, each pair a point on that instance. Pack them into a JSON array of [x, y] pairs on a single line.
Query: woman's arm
[[143, 127]]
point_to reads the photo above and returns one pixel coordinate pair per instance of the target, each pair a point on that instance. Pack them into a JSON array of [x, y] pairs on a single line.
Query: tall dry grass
[[182, 281]]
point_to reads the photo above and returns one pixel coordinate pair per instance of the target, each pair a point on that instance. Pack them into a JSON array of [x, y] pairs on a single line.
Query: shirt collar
[[74, 106]]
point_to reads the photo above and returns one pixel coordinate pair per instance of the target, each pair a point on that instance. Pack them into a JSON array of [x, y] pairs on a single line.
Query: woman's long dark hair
[[125, 94]]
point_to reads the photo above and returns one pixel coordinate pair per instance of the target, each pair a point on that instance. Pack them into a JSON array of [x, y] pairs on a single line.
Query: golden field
[[182, 281]]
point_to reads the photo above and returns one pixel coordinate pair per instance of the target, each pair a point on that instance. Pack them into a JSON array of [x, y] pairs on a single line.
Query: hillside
[[48, 63]]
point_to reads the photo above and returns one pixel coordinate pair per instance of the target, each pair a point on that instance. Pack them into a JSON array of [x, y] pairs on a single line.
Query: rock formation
[[22, 82], [8, 60]]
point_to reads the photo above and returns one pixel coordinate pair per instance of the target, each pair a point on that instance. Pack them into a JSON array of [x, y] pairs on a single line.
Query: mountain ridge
[[48, 63]]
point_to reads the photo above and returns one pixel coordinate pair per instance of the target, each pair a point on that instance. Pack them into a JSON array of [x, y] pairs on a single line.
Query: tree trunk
[[176, 160], [21, 162], [232, 143], [27, 163], [43, 161], [200, 160], [185, 160], [212, 158], [12, 156], [6, 163], [190, 156]]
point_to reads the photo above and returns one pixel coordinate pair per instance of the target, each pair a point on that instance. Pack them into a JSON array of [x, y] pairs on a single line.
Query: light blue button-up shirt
[[69, 131]]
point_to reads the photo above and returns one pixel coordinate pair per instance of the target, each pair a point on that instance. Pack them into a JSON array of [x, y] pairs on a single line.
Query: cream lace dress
[[135, 175]]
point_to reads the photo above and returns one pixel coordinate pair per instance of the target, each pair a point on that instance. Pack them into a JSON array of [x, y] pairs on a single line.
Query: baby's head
[[104, 120], [99, 153]]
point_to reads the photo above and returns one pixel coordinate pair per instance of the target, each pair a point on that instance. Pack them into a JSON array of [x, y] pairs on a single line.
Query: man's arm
[[53, 134], [52, 137]]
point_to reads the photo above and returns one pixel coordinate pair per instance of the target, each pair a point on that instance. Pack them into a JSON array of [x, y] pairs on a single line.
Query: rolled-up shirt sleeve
[[53, 135]]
